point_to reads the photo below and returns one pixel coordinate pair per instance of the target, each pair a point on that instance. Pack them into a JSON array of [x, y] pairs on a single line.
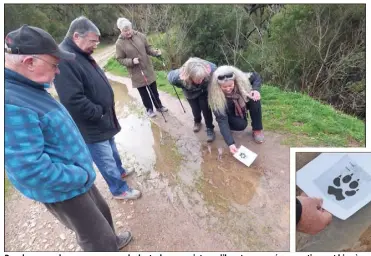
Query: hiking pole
[[150, 91], [163, 64]]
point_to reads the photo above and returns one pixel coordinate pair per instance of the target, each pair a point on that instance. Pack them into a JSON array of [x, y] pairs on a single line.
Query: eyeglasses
[[56, 66], [92, 41], [226, 77]]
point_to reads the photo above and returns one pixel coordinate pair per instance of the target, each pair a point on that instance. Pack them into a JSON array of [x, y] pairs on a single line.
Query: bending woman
[[231, 93], [193, 77]]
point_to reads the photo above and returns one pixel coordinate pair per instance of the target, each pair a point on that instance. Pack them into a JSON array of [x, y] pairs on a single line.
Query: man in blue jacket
[[85, 91], [46, 158]]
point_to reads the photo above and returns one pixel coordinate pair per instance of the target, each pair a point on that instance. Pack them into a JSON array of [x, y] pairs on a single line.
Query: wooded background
[[318, 50]]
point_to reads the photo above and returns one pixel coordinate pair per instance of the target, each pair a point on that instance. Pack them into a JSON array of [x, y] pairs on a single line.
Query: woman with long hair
[[233, 93]]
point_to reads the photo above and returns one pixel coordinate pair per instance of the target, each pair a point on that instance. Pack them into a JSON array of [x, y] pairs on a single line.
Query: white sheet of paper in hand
[[245, 155], [342, 180]]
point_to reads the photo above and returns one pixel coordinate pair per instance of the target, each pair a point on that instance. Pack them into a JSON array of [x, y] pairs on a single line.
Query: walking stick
[[163, 64], [150, 91]]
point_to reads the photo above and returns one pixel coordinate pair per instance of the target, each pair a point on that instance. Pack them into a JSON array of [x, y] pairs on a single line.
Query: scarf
[[239, 102]]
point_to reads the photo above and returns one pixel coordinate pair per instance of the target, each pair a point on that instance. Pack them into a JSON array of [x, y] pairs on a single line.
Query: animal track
[[339, 182]]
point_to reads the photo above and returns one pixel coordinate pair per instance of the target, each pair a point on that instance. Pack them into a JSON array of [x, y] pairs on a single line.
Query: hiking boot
[[127, 173], [131, 194], [210, 135], [196, 127], [258, 136], [150, 113], [162, 109], [124, 239]]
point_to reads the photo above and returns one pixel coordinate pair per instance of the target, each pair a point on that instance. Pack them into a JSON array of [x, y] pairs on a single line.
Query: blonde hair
[[217, 99], [123, 23], [194, 68]]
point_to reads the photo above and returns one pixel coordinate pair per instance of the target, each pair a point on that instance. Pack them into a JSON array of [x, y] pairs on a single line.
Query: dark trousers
[[89, 216], [255, 111], [198, 105], [147, 95]]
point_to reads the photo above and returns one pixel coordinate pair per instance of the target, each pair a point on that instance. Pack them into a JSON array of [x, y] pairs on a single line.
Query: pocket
[[105, 122]]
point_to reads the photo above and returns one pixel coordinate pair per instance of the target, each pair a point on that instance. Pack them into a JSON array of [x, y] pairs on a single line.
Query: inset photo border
[[330, 199]]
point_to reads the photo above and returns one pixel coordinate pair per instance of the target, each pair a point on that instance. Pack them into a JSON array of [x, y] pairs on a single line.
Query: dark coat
[[85, 91], [222, 119]]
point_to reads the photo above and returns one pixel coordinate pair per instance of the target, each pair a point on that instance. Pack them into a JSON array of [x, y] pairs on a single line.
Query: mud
[[242, 202], [363, 244]]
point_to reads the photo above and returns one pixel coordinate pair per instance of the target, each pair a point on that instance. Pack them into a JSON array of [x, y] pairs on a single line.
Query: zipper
[[132, 42]]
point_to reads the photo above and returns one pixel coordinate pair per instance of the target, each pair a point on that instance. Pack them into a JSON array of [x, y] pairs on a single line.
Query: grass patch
[[307, 121], [310, 122], [114, 67]]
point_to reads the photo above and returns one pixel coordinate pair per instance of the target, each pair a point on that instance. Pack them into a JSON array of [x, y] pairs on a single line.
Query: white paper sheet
[[245, 156], [342, 180]]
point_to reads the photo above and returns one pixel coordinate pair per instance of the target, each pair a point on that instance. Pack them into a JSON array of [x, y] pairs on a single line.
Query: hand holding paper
[[313, 218], [245, 156], [341, 179]]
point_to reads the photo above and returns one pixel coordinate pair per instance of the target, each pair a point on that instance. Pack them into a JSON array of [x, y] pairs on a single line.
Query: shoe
[[127, 173], [162, 109], [150, 113], [258, 136], [131, 194], [196, 127], [124, 239], [210, 135]]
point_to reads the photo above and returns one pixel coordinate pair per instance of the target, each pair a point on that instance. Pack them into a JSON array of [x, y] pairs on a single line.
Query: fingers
[[318, 201], [233, 149], [255, 95]]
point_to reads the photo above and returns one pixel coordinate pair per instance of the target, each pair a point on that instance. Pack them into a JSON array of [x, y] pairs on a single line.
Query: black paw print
[[338, 192]]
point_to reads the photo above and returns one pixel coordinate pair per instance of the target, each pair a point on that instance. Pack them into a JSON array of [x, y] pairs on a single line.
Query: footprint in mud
[[340, 183]]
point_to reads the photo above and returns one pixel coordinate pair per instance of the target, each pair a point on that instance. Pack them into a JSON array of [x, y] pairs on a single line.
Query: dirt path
[[196, 197]]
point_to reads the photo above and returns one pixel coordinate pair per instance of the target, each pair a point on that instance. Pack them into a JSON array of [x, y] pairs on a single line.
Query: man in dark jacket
[[46, 158], [86, 92]]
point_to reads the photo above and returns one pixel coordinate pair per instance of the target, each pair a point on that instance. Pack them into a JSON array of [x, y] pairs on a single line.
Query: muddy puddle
[[340, 234], [226, 180], [221, 193]]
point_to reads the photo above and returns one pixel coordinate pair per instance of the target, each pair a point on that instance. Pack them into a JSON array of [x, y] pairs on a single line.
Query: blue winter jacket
[[46, 158]]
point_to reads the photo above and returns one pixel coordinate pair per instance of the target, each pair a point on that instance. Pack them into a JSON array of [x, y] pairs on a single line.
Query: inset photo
[[333, 195]]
